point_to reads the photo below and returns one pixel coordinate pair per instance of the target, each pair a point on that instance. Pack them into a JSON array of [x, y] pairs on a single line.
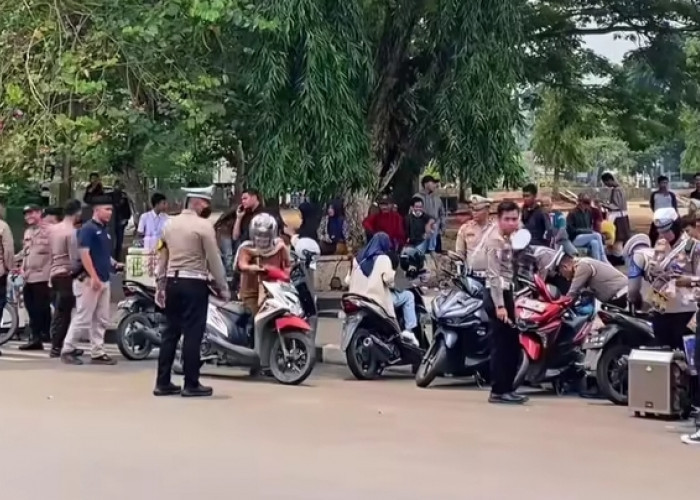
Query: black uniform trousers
[[669, 328], [186, 302], [64, 302], [37, 300], [505, 344]]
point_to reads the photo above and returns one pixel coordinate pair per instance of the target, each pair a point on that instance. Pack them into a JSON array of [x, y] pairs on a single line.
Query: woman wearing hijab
[[372, 276], [310, 212], [333, 230]]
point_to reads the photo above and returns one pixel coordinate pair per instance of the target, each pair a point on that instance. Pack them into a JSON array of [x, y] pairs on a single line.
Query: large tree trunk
[[357, 208], [135, 189], [556, 181]]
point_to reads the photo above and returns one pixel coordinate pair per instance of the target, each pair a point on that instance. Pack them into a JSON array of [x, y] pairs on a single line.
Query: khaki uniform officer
[[36, 264], [187, 254], [499, 305], [470, 237]]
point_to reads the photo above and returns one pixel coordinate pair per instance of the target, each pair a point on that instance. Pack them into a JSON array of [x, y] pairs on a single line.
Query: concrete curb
[[330, 354]]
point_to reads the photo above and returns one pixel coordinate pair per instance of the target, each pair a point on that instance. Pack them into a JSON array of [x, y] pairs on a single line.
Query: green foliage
[[557, 139], [324, 96], [607, 153]]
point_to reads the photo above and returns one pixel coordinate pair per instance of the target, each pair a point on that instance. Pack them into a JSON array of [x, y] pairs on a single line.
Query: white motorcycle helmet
[[664, 218], [302, 245], [263, 231]]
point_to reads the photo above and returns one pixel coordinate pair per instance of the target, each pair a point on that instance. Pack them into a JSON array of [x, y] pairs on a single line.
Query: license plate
[[533, 305]]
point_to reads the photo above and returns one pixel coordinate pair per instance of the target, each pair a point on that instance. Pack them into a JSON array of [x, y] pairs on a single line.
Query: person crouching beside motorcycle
[[500, 307], [372, 276], [607, 284], [672, 256], [263, 250]]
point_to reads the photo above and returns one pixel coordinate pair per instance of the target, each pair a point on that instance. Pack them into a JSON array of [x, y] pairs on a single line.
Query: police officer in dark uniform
[[188, 253], [500, 307]]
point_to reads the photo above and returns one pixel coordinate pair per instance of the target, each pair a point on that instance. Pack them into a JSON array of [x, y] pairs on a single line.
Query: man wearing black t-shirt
[[695, 195]]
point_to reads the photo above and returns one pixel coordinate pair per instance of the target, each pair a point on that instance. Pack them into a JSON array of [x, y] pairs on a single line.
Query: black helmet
[[412, 261]]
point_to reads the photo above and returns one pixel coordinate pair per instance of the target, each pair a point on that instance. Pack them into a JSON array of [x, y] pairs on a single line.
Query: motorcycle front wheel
[[432, 363], [523, 367], [296, 367], [133, 345]]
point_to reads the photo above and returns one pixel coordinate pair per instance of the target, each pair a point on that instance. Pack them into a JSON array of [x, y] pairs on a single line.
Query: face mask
[[205, 212]]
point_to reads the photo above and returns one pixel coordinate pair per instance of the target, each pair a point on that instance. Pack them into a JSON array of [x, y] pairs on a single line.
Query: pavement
[[79, 432]]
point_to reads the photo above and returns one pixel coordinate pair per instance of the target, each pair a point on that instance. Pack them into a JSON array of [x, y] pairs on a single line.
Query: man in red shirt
[[386, 221]]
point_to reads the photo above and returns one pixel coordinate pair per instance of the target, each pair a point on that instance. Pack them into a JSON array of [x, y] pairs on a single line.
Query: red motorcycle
[[552, 333]]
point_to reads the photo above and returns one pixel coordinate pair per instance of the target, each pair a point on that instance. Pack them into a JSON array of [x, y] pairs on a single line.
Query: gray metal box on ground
[[651, 385]]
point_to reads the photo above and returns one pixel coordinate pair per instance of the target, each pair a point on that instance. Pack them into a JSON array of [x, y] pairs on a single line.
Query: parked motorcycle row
[[559, 347]]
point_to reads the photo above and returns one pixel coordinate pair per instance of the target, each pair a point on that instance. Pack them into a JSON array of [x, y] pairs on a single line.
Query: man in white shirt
[[151, 223]]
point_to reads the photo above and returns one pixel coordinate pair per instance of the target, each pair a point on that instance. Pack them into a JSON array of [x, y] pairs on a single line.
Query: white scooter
[[278, 338]]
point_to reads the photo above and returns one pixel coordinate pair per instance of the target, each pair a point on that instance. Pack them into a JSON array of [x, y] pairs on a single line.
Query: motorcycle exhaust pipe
[[380, 348], [151, 334]]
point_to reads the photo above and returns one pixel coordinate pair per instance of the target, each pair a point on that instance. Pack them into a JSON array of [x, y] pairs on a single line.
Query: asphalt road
[[97, 432]]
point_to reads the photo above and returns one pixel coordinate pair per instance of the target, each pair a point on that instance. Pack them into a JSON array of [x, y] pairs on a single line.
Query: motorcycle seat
[[237, 308], [365, 299], [636, 323]]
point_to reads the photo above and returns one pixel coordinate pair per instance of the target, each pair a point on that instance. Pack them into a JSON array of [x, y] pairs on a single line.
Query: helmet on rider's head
[[263, 231], [412, 261]]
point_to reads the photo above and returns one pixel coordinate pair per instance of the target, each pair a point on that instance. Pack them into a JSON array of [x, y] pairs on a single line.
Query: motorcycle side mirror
[[520, 239]]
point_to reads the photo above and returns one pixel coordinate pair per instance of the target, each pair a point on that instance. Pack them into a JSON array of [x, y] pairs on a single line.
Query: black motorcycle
[[371, 337], [608, 349], [461, 344], [142, 322]]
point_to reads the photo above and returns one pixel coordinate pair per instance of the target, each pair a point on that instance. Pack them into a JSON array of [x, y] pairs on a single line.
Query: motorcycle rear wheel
[[134, 349], [612, 356], [432, 363], [362, 369], [303, 349]]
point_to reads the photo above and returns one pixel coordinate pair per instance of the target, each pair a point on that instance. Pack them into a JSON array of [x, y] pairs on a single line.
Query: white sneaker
[[691, 438], [409, 337]]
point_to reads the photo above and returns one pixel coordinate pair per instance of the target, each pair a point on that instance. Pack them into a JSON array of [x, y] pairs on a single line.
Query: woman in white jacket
[[372, 276]]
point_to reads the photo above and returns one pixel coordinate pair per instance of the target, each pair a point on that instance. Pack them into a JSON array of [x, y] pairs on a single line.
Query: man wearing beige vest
[[7, 256]]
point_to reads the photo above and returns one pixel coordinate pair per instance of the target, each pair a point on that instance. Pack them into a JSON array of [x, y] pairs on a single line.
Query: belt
[[192, 275], [478, 274]]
